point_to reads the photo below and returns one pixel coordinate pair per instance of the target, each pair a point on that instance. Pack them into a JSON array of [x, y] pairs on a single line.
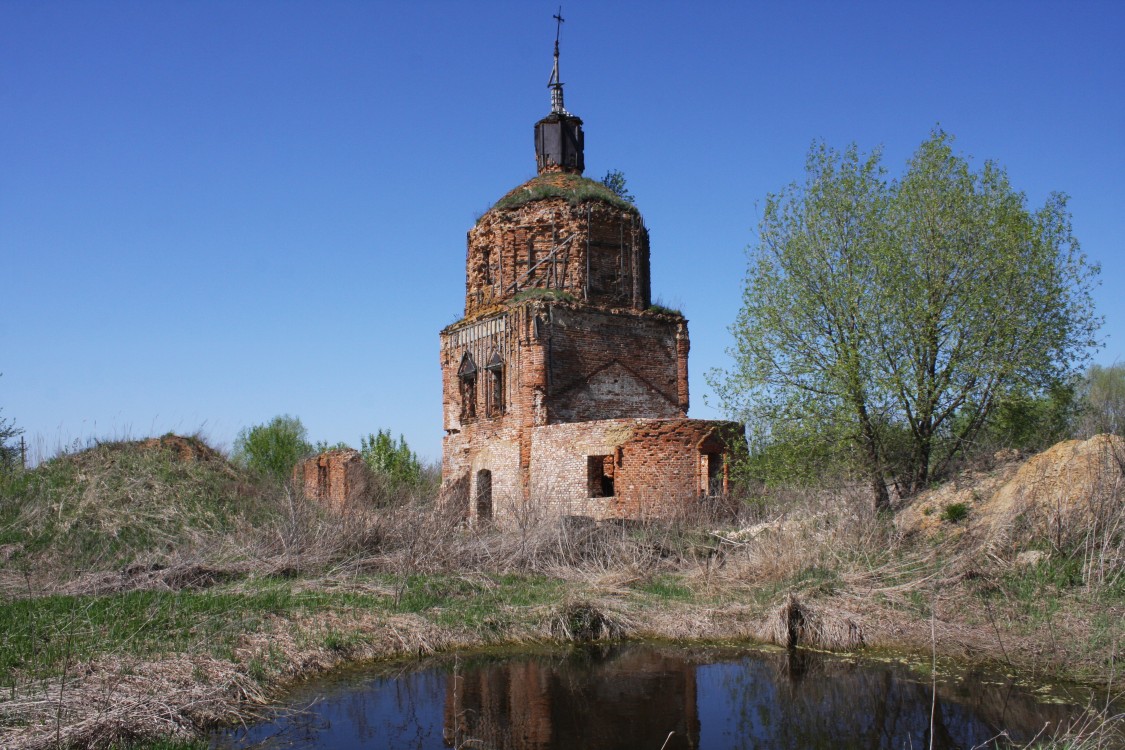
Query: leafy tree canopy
[[274, 448], [901, 313]]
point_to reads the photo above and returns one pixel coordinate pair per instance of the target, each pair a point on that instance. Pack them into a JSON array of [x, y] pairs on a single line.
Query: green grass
[[164, 744], [667, 587], [455, 601], [41, 636], [1036, 593]]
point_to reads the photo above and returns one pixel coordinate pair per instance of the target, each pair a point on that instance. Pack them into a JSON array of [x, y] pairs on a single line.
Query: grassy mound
[[124, 503]]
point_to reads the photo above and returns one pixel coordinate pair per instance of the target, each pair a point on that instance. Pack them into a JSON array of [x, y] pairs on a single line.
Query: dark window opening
[[484, 495], [714, 473], [530, 253], [487, 267], [321, 480], [599, 476]]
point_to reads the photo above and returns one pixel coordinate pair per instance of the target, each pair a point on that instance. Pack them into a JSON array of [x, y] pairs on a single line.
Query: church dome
[[558, 234], [561, 234]]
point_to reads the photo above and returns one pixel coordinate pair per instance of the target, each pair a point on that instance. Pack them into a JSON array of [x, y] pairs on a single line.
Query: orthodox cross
[[555, 84]]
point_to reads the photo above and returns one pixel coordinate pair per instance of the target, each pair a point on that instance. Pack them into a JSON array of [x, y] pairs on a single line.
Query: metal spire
[[555, 84]]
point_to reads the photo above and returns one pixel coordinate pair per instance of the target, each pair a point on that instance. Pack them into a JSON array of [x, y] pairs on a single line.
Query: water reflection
[[630, 698], [651, 698]]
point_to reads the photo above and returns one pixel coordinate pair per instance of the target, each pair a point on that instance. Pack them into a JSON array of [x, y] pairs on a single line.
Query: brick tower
[[564, 390]]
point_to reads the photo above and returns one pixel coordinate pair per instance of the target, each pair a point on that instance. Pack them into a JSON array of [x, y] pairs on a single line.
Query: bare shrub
[[583, 622], [796, 623]]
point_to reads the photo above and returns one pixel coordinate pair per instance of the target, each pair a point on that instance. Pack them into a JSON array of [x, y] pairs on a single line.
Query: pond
[[654, 697]]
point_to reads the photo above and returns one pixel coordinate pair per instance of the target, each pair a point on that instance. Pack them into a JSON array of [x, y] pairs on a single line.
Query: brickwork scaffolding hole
[[599, 476], [484, 495]]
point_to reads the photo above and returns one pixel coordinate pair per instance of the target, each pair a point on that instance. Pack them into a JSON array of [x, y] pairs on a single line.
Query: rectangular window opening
[[599, 476]]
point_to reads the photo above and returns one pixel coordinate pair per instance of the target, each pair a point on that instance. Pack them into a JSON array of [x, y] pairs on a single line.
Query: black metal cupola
[[558, 136]]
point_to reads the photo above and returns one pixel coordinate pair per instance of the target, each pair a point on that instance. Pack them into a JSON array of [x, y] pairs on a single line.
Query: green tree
[[902, 313], [1103, 401], [9, 449], [615, 180], [392, 460], [1034, 422], [273, 449]]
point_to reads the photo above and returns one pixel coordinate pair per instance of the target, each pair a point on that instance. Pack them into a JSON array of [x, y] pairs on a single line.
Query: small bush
[[955, 512], [9, 449], [273, 449]]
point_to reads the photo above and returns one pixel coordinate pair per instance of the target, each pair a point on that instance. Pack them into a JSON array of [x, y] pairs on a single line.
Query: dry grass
[[797, 624], [799, 568], [120, 701]]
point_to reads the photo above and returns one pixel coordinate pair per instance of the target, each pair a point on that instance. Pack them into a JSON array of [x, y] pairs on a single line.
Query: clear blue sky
[[212, 213]]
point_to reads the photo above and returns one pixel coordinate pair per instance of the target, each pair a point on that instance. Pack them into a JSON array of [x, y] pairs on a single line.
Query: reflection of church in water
[[634, 699]]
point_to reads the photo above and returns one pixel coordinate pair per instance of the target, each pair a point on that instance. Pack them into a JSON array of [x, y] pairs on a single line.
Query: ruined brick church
[[564, 389]]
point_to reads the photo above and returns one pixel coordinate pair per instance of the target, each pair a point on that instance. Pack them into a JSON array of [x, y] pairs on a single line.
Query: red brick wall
[[659, 468], [563, 362], [567, 362], [601, 254], [609, 365], [335, 478]]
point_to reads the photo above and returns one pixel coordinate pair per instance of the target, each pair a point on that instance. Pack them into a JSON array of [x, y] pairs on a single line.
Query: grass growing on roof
[[574, 188]]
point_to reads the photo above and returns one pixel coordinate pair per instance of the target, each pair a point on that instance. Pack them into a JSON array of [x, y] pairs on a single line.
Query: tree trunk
[[920, 471], [879, 495]]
